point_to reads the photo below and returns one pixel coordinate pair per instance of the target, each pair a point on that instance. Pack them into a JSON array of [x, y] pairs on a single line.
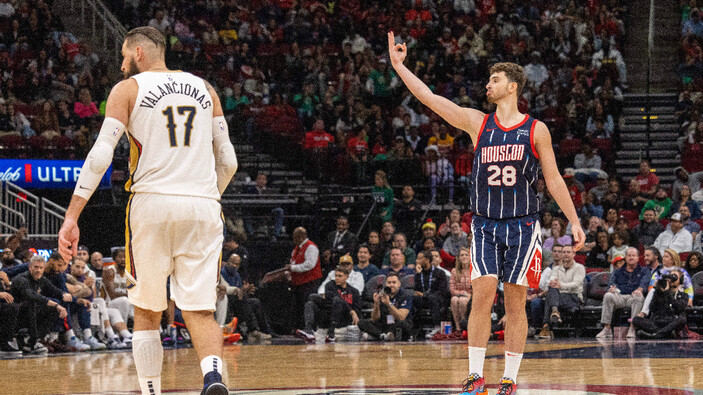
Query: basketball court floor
[[290, 368]]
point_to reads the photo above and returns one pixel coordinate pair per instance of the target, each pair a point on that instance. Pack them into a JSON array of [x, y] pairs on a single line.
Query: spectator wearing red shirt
[[85, 107], [357, 145], [648, 181], [417, 11], [463, 165], [575, 188], [317, 138]]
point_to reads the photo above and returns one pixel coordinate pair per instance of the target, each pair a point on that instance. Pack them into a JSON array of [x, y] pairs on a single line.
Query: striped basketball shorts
[[508, 249]]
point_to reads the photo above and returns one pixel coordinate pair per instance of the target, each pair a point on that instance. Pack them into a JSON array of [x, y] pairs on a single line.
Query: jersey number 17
[[171, 125]]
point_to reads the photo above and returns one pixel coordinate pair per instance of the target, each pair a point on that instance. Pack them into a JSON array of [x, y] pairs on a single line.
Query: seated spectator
[[594, 224], [648, 181], [430, 245], [575, 188], [692, 26], [693, 181], [376, 249], [598, 257], [676, 237], [408, 210], [439, 172], [609, 61], [20, 122], [456, 240], [463, 166], [401, 241], [661, 204], [392, 313], [437, 262], [606, 127], [234, 299], [429, 230], [535, 299], [648, 229], [591, 206], [40, 306], [693, 210], [108, 318], [652, 258], [610, 220], [665, 314], [621, 226], [565, 290], [354, 278], [47, 122], [460, 287], [442, 140], [587, 164], [397, 264], [261, 188], [96, 264], [317, 139], [627, 287], [383, 195], [454, 216], [339, 242], [364, 265], [687, 222], [55, 272], [344, 301], [9, 311], [670, 262], [85, 107], [618, 246], [601, 187], [634, 199], [115, 283], [430, 289], [558, 235], [694, 263]]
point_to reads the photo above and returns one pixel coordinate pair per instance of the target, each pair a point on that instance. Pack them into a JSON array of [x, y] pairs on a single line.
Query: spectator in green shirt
[[383, 195], [661, 204]]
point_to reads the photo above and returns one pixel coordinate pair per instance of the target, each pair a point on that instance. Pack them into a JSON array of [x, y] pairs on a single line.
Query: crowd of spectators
[[52, 87]]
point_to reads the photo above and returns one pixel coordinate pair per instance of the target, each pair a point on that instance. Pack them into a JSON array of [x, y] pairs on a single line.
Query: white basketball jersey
[[170, 134]]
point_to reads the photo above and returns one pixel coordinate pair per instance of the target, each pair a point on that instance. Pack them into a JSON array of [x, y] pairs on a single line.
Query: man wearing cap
[[83, 253], [627, 287], [676, 237], [661, 204], [429, 229]]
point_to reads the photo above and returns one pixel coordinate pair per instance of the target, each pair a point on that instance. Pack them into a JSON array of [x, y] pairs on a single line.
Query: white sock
[[211, 363], [70, 334], [110, 333], [512, 365], [148, 358], [477, 355], [125, 334], [87, 333]]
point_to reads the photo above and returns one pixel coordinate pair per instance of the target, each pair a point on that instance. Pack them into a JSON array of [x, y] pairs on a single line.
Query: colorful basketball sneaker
[[474, 385], [507, 387]]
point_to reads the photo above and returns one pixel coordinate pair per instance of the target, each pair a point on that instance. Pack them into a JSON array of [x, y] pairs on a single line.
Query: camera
[[666, 280], [670, 277], [387, 290]]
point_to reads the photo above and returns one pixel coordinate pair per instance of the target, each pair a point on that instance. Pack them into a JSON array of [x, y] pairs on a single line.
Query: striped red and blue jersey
[[505, 170]]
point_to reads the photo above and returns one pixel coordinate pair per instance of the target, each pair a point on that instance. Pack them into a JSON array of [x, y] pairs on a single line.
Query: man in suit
[[339, 242]]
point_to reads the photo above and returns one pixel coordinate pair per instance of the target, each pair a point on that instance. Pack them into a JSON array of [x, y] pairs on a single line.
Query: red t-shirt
[[647, 182], [317, 139], [357, 146], [575, 195]]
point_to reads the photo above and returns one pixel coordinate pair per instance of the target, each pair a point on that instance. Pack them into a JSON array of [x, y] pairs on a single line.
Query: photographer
[[665, 315], [392, 312]]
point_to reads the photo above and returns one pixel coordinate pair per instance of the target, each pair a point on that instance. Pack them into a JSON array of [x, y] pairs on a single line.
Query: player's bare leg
[[206, 336], [479, 331], [515, 331], [147, 350]]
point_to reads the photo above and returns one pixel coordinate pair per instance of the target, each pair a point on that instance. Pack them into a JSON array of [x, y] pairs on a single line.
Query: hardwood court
[[634, 367]]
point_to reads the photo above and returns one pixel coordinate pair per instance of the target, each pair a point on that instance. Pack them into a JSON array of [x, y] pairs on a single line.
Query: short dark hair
[[55, 255], [557, 244], [513, 71], [655, 251], [427, 254], [364, 245], [148, 32], [117, 251], [392, 274], [341, 269]]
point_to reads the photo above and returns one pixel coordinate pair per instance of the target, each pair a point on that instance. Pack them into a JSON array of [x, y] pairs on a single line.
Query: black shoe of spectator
[[8, 350], [648, 335]]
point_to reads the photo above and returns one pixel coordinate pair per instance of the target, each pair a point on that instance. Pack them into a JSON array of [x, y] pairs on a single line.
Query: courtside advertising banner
[[46, 174]]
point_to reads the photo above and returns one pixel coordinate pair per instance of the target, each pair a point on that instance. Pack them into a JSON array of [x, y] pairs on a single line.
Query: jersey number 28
[[508, 178], [171, 125]]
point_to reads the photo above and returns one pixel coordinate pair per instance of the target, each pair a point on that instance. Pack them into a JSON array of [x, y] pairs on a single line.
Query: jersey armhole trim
[[480, 131], [532, 139]]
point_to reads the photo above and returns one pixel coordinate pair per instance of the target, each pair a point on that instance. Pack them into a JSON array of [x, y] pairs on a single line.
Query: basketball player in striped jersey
[[181, 161], [510, 151]]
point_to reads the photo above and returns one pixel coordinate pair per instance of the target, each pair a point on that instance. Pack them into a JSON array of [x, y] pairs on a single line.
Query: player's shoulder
[[125, 87]]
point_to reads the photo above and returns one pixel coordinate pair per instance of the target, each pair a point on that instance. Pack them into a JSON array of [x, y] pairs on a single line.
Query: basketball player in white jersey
[[181, 162]]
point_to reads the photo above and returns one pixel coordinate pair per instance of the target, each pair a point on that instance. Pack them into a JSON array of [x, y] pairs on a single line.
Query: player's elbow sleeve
[[99, 158]]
